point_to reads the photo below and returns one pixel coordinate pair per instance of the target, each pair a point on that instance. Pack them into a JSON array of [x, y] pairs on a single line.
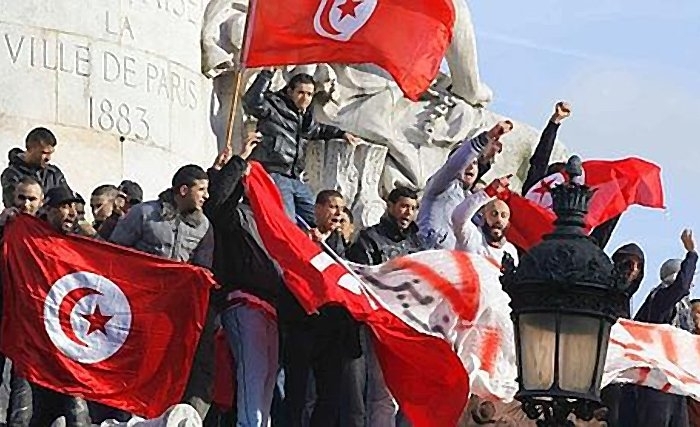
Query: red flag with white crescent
[[95, 320], [408, 40], [618, 184]]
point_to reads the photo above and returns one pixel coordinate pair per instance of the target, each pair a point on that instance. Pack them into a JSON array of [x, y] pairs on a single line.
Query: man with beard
[[452, 183], [488, 239]]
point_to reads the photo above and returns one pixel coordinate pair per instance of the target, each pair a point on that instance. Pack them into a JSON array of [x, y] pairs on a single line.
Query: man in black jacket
[[395, 235], [320, 343], [250, 287], [668, 303], [40, 145], [286, 124]]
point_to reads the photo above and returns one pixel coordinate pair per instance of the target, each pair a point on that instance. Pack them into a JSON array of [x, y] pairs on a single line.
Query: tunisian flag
[[91, 319], [422, 371], [618, 185], [406, 38]]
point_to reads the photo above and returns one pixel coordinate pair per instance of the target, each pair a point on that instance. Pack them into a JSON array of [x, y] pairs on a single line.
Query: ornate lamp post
[[565, 296]]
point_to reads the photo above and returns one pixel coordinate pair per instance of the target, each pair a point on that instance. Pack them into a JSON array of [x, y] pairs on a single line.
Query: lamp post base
[[555, 412]]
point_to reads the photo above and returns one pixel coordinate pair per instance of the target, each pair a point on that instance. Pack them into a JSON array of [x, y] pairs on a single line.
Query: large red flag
[[408, 39], [91, 319], [422, 371], [618, 185]]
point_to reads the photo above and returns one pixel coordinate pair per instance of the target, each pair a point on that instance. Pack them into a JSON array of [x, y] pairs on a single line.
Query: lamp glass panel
[[537, 345], [578, 352]]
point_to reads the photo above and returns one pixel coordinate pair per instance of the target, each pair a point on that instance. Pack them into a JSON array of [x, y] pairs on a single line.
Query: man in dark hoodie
[[175, 227], [251, 285], [667, 304], [629, 261], [34, 162], [286, 123]]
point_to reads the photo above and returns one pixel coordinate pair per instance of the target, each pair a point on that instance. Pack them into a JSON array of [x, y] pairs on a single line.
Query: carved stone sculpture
[[364, 100]]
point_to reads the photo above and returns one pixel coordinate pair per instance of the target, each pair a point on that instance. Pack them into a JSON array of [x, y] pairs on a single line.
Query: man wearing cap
[[175, 227], [668, 303], [130, 194], [32, 404]]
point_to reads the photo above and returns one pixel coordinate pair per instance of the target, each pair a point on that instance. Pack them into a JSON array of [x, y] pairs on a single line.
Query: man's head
[[402, 206], [130, 194], [102, 202], [629, 260], [347, 223], [496, 220], [695, 313], [669, 270], [301, 90], [61, 213], [190, 188], [328, 209], [80, 208], [29, 195], [40, 144]]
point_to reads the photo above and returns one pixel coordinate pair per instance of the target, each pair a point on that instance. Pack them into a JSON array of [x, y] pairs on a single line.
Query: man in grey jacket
[[448, 187], [175, 227]]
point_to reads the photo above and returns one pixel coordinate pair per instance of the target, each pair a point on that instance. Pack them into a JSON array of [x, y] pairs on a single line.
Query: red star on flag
[[348, 8], [98, 321], [544, 188]]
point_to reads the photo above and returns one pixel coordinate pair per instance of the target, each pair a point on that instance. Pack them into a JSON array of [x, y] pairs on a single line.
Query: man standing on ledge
[[34, 162], [286, 124]]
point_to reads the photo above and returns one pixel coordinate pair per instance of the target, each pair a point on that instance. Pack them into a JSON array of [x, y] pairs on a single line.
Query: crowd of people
[[294, 369]]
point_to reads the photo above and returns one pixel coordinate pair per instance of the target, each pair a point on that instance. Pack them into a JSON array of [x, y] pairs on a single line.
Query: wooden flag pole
[[234, 108], [239, 78]]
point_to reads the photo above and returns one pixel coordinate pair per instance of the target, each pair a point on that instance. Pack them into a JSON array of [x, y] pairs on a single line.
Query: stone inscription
[[130, 92]]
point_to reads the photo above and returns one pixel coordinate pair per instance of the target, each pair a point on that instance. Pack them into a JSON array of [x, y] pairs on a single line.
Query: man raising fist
[[452, 183]]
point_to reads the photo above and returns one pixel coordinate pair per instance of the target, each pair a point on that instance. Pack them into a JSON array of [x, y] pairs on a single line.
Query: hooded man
[[629, 261]]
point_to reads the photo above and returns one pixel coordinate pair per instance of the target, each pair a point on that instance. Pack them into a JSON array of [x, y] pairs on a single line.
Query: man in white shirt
[[489, 239]]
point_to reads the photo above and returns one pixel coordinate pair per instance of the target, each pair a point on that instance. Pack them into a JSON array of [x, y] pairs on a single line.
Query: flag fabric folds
[[95, 320]]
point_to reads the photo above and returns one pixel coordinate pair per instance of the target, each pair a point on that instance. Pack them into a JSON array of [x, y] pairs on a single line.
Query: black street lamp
[[566, 296]]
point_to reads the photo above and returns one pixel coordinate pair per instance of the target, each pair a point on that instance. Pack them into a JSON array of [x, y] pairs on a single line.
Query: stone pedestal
[[117, 81]]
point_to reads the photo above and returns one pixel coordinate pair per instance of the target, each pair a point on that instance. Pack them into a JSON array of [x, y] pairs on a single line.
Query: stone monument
[[118, 81]]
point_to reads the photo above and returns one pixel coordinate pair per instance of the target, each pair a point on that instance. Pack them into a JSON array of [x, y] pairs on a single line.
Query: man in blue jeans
[[251, 286], [286, 124]]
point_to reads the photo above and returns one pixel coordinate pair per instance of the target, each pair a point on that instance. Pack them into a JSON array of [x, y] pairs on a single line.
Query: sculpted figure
[[363, 99]]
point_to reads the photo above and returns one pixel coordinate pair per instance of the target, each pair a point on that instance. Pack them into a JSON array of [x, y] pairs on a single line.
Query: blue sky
[[632, 73]]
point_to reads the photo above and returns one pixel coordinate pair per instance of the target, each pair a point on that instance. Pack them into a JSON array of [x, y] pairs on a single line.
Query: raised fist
[[561, 111], [687, 239], [500, 129], [498, 186]]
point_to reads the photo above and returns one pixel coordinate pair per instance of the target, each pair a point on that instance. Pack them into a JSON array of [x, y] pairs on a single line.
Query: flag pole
[[239, 77], [234, 108]]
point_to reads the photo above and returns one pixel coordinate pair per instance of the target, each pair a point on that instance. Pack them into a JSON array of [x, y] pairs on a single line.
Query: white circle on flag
[[87, 317]]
